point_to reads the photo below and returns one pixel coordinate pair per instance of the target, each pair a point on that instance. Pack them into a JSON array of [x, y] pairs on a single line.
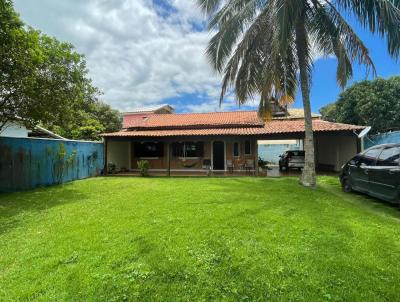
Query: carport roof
[[269, 128]]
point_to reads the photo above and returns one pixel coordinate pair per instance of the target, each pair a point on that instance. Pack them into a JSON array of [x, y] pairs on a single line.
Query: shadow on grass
[[15, 206], [365, 201]]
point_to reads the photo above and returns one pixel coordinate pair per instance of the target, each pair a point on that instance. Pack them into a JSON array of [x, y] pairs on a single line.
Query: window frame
[[159, 152], [373, 162], [238, 149], [184, 151], [250, 148], [396, 152]]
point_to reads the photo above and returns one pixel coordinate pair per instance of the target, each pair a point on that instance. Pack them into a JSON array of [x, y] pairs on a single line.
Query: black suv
[[375, 171]]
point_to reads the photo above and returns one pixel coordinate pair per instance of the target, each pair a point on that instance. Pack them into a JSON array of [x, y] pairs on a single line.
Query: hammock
[[190, 165]]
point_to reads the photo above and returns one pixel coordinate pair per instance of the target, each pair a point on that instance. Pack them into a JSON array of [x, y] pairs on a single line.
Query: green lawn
[[197, 239]]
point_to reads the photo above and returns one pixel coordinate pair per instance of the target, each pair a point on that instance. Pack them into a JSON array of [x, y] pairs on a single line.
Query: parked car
[[375, 171], [291, 159]]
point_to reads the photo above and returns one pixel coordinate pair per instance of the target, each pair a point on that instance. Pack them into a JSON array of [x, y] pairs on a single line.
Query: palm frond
[[257, 66], [209, 6], [333, 35], [379, 16], [250, 52], [230, 30], [243, 8], [352, 42]]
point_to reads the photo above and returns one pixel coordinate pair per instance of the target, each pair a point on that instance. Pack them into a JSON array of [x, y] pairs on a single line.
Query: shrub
[[143, 166]]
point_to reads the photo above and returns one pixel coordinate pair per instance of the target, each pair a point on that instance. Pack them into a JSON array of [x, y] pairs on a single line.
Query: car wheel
[[346, 186]]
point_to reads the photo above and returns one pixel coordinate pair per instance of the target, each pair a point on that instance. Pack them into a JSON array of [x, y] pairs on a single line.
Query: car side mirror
[[355, 163], [359, 164]]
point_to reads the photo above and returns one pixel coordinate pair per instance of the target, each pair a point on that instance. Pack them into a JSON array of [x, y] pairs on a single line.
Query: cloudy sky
[[143, 52]]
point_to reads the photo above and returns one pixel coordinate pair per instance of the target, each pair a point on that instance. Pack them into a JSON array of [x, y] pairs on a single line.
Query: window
[[296, 153], [389, 157], [149, 149], [187, 149], [247, 148], [236, 151], [368, 158]]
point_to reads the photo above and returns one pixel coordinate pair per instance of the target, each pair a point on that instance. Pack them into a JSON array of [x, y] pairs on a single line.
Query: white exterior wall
[[119, 153], [14, 129], [335, 150]]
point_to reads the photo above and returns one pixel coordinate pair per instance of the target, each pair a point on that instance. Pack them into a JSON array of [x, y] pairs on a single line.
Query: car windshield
[[368, 158], [296, 153]]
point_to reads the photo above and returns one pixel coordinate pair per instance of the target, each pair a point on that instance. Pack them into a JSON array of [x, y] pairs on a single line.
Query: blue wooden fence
[[27, 163], [383, 138]]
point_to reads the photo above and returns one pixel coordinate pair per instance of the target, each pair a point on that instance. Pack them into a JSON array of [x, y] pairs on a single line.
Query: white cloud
[[136, 55]]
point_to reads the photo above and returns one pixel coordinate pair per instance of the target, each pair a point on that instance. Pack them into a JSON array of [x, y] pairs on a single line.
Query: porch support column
[[169, 158], [105, 156], [256, 157]]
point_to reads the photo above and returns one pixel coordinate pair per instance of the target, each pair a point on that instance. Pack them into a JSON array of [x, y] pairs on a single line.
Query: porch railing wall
[[26, 163]]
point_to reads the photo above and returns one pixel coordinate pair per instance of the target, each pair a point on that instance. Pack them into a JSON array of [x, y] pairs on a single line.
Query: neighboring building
[[18, 129], [14, 129], [220, 141]]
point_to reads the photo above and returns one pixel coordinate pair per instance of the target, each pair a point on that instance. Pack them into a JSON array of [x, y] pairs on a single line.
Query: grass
[[197, 239]]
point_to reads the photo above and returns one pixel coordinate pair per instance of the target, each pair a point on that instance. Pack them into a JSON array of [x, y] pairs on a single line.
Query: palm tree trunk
[[307, 178]]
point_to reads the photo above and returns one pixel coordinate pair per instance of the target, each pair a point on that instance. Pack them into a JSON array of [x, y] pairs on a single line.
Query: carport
[[334, 143]]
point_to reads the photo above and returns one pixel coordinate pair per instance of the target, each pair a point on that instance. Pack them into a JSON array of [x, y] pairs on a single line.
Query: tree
[[109, 118], [88, 130], [265, 47], [328, 112], [92, 119], [17, 59], [373, 103], [42, 80]]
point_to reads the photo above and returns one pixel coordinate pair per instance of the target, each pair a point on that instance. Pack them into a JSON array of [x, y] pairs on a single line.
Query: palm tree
[[265, 48]]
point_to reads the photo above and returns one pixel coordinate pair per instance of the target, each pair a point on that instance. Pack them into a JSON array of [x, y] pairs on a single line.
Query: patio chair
[[239, 164], [249, 165], [111, 168], [207, 166], [229, 165]]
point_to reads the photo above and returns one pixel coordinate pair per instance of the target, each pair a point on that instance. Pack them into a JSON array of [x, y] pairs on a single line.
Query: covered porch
[[212, 155], [219, 155]]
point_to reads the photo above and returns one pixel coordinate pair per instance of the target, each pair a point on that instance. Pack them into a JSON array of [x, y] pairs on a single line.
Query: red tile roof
[[196, 120], [272, 127], [134, 120]]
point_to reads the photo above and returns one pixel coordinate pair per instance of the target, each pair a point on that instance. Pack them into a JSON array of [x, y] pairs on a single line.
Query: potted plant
[[144, 167]]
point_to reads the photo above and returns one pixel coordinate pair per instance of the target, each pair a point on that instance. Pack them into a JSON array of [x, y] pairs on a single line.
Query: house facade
[[18, 129], [219, 141]]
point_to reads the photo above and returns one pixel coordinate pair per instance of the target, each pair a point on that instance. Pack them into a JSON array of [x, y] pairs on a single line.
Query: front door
[[218, 156]]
